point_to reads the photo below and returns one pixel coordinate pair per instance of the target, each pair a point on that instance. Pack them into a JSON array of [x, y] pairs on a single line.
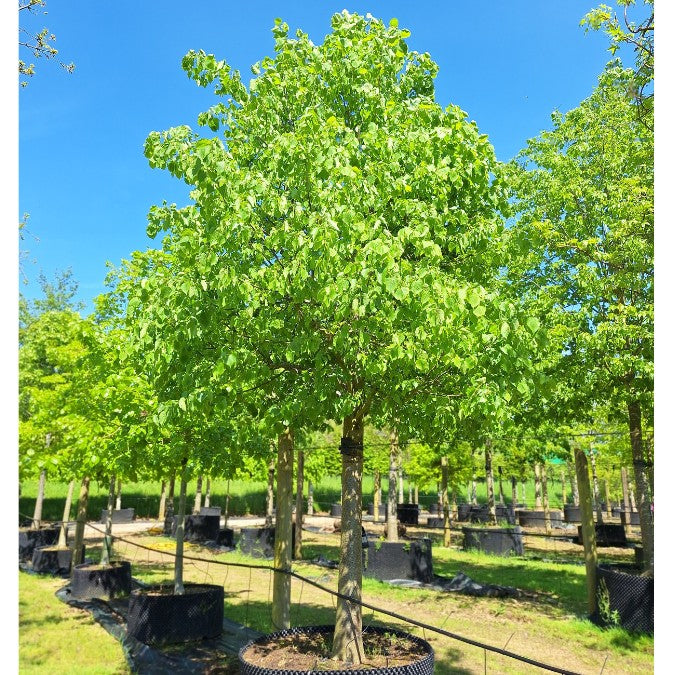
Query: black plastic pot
[[101, 581], [119, 516], [336, 510], [210, 511], [463, 512], [196, 527], [607, 534], [630, 595], [424, 666], [408, 514], [29, 540], [527, 518], [639, 557], [572, 513], [386, 560], [225, 537], [53, 559], [434, 508], [495, 540], [259, 541], [382, 510], [630, 517], [435, 522], [157, 616], [507, 513]]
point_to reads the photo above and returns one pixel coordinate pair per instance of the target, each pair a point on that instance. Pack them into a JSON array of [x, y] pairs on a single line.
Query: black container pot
[[381, 511], [101, 581], [630, 595], [434, 508], [388, 560], [196, 527], [507, 513], [607, 534], [53, 559], [528, 518], [210, 511], [572, 513], [29, 540], [495, 540], [436, 522], [336, 510], [119, 515], [630, 517], [157, 616], [408, 514], [424, 666], [259, 541], [225, 537], [639, 557], [463, 513]]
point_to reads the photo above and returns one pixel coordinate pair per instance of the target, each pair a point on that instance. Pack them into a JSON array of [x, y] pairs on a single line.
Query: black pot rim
[[427, 659], [189, 584], [114, 563]]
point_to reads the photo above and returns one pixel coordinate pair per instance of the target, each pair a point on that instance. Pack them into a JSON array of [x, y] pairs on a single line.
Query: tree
[[585, 229], [38, 43]]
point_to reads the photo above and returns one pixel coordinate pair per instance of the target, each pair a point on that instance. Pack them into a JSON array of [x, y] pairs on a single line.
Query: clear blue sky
[[82, 174]]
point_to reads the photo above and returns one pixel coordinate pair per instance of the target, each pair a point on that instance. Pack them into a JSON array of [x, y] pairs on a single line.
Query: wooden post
[[587, 526]]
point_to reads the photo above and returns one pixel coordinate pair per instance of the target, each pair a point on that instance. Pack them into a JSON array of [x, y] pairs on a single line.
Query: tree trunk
[[269, 515], [377, 485], [537, 486], [490, 482], [310, 498], [207, 496], [631, 496], [624, 485], [400, 483], [348, 640], [544, 494], [198, 496], [597, 507], [63, 534], [178, 587], [575, 489], [227, 504], [281, 599], [392, 513], [37, 513], [608, 500], [563, 487], [454, 504], [514, 491], [474, 498], [410, 493], [81, 522], [587, 526], [501, 486], [299, 491], [161, 512], [118, 499], [524, 491], [444, 502], [641, 485], [107, 539], [169, 498]]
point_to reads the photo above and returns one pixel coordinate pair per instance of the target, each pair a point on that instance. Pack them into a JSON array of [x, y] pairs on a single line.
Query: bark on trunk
[[377, 484], [310, 498], [198, 496], [348, 640], [490, 481], [575, 489], [178, 587], [608, 501], [269, 514], [227, 504], [524, 492], [514, 491], [161, 512], [563, 487], [444, 502], [641, 485], [624, 486], [587, 526], [81, 521], [207, 496], [63, 534], [597, 507], [37, 512], [416, 495], [544, 495], [400, 483], [281, 598], [537, 486], [107, 539], [169, 497], [118, 499], [392, 517], [299, 491], [501, 486]]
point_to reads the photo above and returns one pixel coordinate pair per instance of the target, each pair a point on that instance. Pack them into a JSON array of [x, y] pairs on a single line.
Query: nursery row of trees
[[354, 252]]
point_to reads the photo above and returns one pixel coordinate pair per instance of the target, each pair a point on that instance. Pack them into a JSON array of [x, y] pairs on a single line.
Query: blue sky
[[82, 174]]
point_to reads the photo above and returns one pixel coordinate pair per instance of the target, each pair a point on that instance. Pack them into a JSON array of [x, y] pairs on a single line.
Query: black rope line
[[394, 615]]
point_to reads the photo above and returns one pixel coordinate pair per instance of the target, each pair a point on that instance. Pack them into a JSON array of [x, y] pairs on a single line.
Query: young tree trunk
[[608, 501], [587, 526], [444, 502], [107, 539], [400, 482], [624, 486], [299, 491], [544, 495], [178, 587], [347, 639], [37, 512], [454, 504], [563, 487], [269, 514], [81, 522], [575, 489], [649, 462], [161, 512], [281, 598], [227, 504], [641, 485], [524, 492], [514, 491], [207, 496], [169, 498], [537, 486], [501, 486], [597, 507], [377, 485], [118, 499], [392, 513], [198, 497], [631, 496], [410, 493], [63, 534], [310, 498], [416, 494], [490, 483], [474, 498]]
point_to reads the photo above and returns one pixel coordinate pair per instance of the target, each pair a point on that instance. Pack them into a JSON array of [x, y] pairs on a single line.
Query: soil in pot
[[159, 616], [101, 581], [308, 649]]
